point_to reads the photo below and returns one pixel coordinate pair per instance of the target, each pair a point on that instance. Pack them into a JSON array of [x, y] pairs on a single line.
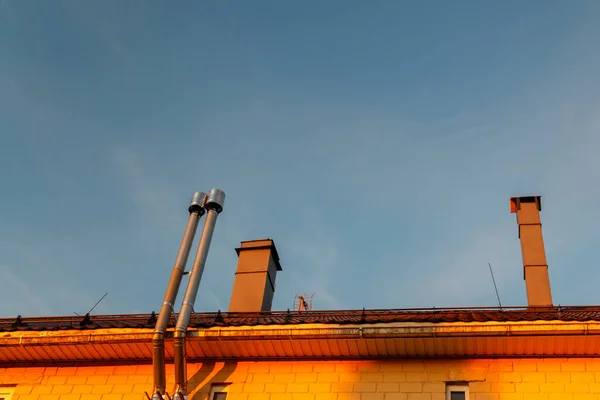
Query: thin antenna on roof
[[92, 309], [98, 302], [495, 287]]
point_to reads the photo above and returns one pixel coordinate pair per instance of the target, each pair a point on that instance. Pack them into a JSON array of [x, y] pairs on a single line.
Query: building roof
[[218, 319], [474, 332]]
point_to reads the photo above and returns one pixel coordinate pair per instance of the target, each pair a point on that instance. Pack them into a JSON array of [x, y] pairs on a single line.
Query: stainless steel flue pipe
[[196, 210], [214, 205]]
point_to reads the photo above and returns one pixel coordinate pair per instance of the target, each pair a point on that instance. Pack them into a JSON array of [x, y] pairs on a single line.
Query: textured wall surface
[[523, 379]]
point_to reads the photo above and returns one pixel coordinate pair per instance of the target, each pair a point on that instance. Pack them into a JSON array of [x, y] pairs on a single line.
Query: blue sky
[[378, 143]]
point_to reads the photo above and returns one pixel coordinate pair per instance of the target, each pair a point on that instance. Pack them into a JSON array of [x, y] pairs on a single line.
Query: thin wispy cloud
[[25, 293], [152, 199]]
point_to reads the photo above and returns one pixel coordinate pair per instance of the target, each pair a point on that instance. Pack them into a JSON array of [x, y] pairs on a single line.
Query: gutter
[[315, 332], [39, 349], [447, 330]]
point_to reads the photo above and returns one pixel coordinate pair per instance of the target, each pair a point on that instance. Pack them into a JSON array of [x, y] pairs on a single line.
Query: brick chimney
[[535, 267], [254, 284]]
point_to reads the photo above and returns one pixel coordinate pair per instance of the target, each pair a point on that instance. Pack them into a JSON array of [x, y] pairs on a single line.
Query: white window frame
[[457, 388], [6, 392], [217, 388]]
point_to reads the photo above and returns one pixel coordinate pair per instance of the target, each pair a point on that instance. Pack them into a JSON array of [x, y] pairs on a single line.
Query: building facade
[[538, 352]]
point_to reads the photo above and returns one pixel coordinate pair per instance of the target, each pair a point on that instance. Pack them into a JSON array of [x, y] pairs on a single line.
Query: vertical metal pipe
[[214, 205], [196, 210]]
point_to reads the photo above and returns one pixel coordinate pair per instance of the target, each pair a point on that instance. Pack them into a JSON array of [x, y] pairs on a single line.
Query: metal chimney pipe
[[196, 210], [214, 206]]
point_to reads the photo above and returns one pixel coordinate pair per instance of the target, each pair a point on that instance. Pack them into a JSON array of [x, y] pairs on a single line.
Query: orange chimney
[[254, 284], [535, 267]]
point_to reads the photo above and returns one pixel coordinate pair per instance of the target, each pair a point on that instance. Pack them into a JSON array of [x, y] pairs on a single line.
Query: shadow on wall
[[398, 379], [200, 383]]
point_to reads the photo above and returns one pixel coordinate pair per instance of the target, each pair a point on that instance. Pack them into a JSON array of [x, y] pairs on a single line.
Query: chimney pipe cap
[[215, 200], [515, 202], [197, 203]]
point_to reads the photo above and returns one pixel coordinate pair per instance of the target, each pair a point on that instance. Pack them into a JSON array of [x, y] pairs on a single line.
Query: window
[[217, 392], [457, 392], [6, 392]]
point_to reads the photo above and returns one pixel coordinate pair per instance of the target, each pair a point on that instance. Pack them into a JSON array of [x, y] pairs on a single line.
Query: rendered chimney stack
[[535, 266], [254, 284]]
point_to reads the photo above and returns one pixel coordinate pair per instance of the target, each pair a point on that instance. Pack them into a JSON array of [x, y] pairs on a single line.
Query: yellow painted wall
[[505, 379]]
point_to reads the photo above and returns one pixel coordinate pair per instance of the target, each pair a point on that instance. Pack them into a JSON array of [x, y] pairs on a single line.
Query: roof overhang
[[310, 341]]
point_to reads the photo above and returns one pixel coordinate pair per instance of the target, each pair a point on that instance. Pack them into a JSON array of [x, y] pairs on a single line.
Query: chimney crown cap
[[515, 202], [260, 244]]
